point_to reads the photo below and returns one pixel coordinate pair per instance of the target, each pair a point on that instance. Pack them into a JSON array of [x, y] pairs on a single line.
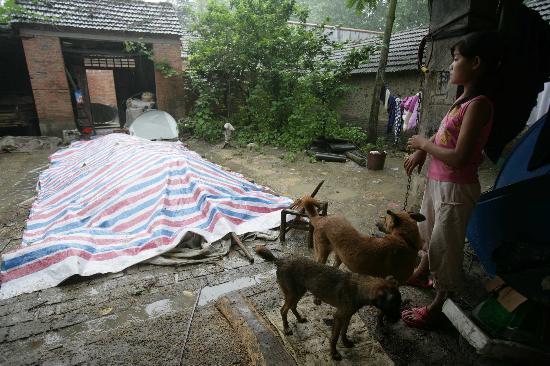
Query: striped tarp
[[106, 204]]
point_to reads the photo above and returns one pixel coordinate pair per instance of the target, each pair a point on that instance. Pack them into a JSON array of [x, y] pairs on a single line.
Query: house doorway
[[103, 76], [103, 101], [17, 108]]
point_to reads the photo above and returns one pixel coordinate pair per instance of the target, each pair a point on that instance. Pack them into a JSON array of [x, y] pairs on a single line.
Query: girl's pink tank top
[[447, 136]]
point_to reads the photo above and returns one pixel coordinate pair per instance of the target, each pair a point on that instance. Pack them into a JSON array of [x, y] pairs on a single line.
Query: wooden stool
[[299, 224]]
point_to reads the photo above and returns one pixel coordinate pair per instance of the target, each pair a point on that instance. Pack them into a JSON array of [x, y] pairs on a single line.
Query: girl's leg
[[425, 228], [446, 248], [437, 304], [423, 266], [446, 252]]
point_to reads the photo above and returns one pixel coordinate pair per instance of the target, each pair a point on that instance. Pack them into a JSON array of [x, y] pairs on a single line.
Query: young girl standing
[[456, 153]]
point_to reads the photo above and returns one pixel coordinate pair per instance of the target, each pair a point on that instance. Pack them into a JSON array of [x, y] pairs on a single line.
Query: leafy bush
[[204, 123], [274, 82]]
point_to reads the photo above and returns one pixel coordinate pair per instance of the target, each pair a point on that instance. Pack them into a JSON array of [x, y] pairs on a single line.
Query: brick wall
[[170, 91], [101, 86], [49, 84]]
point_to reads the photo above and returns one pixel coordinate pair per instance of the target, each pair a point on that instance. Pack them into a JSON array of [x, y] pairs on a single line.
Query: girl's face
[[463, 70]]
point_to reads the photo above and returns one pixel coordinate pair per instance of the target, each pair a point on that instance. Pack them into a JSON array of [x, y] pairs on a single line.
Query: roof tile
[[542, 6], [402, 53], [113, 15]]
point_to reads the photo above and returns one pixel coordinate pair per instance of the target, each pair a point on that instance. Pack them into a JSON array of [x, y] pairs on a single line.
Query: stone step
[[261, 342]]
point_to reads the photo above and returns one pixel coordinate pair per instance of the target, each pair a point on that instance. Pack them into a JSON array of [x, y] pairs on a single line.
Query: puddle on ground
[[210, 293], [159, 308]]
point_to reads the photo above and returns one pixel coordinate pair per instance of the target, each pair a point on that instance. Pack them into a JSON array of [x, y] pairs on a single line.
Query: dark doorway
[[132, 74], [17, 109]]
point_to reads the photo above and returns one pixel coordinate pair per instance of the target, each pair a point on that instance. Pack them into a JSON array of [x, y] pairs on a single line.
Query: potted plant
[[377, 156]]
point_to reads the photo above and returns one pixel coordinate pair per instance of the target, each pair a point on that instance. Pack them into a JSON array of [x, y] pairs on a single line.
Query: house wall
[[356, 104], [101, 86], [170, 91], [49, 84]]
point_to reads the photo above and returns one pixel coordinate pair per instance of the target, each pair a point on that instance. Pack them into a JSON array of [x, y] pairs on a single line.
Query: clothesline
[[402, 112]]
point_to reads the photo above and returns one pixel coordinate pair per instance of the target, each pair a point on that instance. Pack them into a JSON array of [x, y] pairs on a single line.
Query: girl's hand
[[417, 142], [415, 159]]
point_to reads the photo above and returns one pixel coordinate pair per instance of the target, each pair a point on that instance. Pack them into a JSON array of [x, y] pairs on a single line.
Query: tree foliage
[[10, 9], [368, 14], [7, 9], [276, 83]]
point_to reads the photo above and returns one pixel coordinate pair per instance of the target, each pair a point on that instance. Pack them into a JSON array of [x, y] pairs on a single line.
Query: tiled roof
[[403, 52], [542, 6], [103, 15], [402, 55]]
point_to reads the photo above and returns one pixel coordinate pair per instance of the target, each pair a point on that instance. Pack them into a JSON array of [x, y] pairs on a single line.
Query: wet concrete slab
[[118, 328], [212, 293]]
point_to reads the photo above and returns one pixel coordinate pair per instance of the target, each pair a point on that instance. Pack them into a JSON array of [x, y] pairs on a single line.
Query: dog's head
[[388, 299], [403, 224]]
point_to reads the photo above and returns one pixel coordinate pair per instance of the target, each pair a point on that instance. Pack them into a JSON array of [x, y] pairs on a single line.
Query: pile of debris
[[336, 150], [27, 144]]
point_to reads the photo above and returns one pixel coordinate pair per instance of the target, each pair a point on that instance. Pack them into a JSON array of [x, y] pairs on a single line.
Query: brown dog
[[394, 254], [346, 291]]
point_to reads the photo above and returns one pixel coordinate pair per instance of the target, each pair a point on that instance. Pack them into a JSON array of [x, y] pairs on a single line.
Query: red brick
[[101, 86], [49, 84], [170, 92]]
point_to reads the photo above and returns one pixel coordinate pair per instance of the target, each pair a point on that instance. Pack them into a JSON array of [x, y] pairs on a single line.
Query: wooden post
[[240, 244]]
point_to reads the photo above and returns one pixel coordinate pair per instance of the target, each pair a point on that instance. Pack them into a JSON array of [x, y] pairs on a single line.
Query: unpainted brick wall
[[49, 84], [170, 91], [101, 86]]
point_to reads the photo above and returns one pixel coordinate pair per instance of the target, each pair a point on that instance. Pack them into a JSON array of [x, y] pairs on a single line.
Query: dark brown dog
[[394, 254], [346, 291]]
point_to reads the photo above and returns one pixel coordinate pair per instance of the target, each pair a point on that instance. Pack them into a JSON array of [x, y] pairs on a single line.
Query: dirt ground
[[140, 315]]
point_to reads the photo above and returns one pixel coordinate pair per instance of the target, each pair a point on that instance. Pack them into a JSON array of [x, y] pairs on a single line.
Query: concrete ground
[[140, 315]]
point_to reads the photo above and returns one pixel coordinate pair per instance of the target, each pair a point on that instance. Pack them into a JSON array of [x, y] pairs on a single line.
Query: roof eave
[[19, 26]]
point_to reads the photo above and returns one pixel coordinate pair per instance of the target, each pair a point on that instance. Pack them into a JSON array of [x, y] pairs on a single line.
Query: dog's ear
[[392, 281], [418, 217], [396, 219]]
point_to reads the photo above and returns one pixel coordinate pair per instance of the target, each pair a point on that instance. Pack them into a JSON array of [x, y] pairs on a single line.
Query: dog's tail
[[310, 204], [266, 254]]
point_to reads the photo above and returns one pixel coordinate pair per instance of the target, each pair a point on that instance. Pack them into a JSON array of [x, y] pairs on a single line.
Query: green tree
[[185, 10], [371, 15], [277, 83], [9, 9]]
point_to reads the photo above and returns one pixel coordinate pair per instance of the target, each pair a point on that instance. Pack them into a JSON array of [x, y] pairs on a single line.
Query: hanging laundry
[[402, 114], [415, 114], [391, 114], [386, 97], [410, 107], [398, 122]]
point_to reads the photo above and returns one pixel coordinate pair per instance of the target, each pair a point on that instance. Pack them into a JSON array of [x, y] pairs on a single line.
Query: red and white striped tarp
[[106, 204]]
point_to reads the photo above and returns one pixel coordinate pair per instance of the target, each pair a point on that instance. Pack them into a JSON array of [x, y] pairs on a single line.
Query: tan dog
[[394, 254], [346, 291]]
